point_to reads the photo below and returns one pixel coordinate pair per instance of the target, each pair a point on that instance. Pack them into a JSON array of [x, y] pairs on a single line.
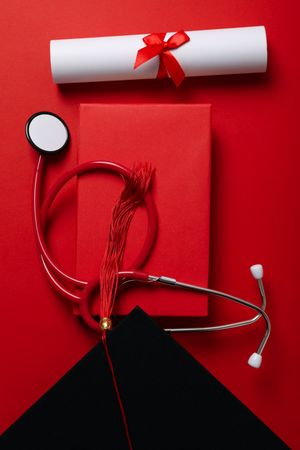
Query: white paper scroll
[[209, 52]]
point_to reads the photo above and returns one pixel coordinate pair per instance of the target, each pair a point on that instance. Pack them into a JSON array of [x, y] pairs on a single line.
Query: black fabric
[[171, 402]]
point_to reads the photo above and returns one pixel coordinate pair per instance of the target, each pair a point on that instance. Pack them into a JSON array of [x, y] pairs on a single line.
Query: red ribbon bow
[[168, 64]]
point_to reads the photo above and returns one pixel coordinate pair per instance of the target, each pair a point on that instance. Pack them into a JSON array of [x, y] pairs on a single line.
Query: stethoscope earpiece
[[257, 271], [46, 132], [255, 360]]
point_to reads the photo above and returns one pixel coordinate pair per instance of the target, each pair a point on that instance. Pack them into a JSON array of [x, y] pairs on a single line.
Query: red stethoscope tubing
[[55, 274]]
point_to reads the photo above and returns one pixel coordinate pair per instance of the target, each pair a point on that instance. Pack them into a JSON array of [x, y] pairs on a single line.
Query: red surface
[[255, 193], [176, 140]]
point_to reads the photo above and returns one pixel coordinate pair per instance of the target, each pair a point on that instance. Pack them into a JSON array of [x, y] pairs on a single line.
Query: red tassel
[[133, 194]]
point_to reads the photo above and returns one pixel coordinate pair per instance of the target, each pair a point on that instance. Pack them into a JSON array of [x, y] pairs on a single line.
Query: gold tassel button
[[105, 323]]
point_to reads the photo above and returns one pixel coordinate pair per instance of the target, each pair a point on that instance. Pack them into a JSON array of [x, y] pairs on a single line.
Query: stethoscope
[[48, 134]]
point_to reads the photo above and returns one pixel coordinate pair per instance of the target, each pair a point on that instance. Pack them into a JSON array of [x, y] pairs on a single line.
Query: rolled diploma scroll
[[209, 52]]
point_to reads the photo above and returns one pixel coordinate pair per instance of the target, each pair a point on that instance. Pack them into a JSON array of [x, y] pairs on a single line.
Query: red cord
[[112, 370]]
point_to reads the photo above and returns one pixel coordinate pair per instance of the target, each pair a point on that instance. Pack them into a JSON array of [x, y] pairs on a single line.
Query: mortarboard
[[170, 401]]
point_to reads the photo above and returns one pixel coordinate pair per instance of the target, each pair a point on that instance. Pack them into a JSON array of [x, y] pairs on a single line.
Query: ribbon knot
[[157, 46]]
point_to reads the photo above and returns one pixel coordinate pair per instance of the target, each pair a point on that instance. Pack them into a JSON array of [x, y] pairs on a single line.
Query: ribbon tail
[[172, 67], [162, 71]]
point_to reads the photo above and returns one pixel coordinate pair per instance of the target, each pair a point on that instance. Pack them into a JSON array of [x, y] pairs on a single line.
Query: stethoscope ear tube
[[257, 272], [56, 275]]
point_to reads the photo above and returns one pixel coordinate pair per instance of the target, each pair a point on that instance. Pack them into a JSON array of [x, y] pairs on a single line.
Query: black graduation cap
[[170, 400]]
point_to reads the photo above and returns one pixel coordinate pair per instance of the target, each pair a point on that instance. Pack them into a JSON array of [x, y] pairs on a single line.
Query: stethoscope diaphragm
[[47, 132]]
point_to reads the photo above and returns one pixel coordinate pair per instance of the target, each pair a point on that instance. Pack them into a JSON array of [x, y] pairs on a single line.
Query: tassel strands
[[133, 194]]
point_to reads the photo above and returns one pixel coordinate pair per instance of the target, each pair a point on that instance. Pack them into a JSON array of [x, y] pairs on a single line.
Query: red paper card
[[176, 140]]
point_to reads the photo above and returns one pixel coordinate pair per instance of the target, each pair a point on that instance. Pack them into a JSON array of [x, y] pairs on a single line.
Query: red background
[[255, 193]]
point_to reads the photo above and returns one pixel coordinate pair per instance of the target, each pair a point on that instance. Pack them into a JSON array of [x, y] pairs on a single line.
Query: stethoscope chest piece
[[47, 133]]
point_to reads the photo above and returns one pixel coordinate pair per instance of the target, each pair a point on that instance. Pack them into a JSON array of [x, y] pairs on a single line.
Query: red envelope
[[176, 140]]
